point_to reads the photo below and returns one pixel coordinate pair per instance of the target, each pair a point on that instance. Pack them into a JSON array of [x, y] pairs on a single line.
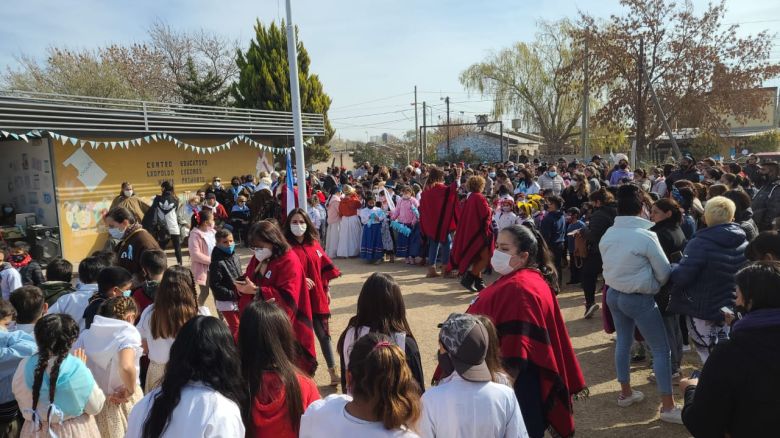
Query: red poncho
[[320, 268], [531, 329], [473, 233], [437, 210], [284, 280]]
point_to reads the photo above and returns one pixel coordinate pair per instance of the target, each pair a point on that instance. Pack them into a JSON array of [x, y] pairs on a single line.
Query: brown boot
[[432, 272]]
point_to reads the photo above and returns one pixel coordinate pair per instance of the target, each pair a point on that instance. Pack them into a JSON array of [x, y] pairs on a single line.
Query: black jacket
[[32, 274], [600, 221], [738, 388], [223, 270], [690, 174], [766, 205], [671, 237]]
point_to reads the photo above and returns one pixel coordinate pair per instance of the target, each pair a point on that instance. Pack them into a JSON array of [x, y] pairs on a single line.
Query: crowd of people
[[688, 253]]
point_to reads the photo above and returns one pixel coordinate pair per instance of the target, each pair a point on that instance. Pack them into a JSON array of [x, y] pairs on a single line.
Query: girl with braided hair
[[113, 348], [55, 390]]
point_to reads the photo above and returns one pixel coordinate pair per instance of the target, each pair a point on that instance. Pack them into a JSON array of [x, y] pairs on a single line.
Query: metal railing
[[22, 110]]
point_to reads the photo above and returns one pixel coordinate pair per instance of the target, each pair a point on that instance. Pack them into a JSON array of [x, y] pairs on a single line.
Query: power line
[[368, 115], [372, 101]]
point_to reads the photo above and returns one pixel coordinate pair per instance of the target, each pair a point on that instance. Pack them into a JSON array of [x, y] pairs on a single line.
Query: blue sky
[[369, 54]]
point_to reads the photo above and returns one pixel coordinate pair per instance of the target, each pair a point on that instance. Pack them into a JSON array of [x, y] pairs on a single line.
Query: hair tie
[[381, 344], [197, 217]]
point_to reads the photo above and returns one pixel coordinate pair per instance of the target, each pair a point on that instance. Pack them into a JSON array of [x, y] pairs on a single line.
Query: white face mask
[[500, 262], [262, 254], [116, 233], [128, 193], [298, 229]]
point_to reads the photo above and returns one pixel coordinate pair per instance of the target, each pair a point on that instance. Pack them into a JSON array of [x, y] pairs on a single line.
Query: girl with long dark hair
[[535, 344], [202, 395], [279, 392], [384, 401], [55, 390], [381, 309], [319, 271], [276, 272], [174, 304]]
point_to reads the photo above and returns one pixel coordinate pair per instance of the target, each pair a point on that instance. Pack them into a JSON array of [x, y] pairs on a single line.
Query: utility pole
[[416, 125], [424, 144], [295, 92], [640, 101], [447, 101], [585, 104]]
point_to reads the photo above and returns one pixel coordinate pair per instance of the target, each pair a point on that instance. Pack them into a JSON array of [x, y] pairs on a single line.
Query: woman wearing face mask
[[201, 243], [133, 240], [319, 271], [544, 367], [276, 273], [128, 200], [551, 180], [526, 184]]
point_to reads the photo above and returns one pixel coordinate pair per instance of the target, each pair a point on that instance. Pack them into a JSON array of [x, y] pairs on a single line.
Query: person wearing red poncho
[[319, 270], [473, 243], [437, 218], [276, 273], [535, 344]]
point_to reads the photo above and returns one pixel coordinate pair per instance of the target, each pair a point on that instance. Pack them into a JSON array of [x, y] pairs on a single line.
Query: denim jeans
[[640, 310], [674, 336], [433, 250]]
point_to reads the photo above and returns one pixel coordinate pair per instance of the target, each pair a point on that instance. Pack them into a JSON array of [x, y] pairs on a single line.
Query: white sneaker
[[635, 397], [673, 415], [591, 310]]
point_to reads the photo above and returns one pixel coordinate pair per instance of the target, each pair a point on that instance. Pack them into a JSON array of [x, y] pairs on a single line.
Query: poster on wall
[[87, 181], [25, 177]]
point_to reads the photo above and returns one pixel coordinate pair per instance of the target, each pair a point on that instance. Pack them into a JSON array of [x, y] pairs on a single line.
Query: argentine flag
[[290, 189]]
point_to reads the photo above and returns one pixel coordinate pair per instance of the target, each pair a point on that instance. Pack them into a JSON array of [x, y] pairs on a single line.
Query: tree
[[207, 91], [700, 69], [538, 81], [264, 83], [766, 142], [370, 152]]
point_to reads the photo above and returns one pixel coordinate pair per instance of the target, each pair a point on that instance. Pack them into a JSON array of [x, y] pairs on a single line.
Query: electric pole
[[424, 144], [640, 102], [585, 103], [416, 125], [447, 101]]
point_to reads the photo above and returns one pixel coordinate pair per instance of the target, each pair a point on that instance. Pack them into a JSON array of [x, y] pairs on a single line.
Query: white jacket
[[634, 261]]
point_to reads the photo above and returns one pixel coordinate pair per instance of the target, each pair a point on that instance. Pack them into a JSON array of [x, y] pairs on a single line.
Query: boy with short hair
[[29, 269], [153, 263], [224, 270], [75, 303], [59, 274], [553, 229], [14, 346], [10, 279], [573, 223], [30, 307]]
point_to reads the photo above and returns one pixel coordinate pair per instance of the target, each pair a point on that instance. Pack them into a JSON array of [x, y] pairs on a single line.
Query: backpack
[[580, 249]]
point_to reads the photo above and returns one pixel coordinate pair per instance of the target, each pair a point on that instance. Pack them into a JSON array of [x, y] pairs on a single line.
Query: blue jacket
[[704, 279], [553, 227], [14, 346]]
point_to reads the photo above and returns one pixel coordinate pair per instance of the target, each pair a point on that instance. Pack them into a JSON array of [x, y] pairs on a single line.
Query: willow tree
[[538, 81], [264, 83]]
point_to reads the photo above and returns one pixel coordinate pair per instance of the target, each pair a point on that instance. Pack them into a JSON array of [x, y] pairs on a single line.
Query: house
[[64, 157], [488, 145]]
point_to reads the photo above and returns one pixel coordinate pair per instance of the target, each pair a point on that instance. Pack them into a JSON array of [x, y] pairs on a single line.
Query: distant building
[[487, 145]]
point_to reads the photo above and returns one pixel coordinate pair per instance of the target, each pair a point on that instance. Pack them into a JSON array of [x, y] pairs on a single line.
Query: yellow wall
[[767, 117], [84, 198]]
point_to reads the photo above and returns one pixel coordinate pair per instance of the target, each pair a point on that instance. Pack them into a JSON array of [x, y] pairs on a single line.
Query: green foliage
[[264, 83], [767, 142], [706, 145], [207, 91], [370, 152]]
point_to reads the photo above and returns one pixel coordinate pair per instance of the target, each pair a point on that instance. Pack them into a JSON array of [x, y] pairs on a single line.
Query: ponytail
[[528, 239], [379, 372]]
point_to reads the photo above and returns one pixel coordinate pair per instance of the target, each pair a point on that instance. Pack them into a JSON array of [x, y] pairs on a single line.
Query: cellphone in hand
[[726, 311]]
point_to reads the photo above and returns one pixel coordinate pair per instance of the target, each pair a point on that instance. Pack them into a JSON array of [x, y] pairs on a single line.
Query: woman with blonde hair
[[175, 303], [384, 400]]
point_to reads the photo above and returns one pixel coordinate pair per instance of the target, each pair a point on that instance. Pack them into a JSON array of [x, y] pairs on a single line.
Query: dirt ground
[[430, 301]]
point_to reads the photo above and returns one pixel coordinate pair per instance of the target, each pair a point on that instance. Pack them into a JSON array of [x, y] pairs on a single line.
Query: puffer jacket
[[748, 225], [601, 219], [223, 270], [766, 205], [634, 261], [704, 279]]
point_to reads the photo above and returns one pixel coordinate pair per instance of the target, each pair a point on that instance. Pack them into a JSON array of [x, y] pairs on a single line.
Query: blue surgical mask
[[228, 249], [552, 174], [492, 174], [127, 293]]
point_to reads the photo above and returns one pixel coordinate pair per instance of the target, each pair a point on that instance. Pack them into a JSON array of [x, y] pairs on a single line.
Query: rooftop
[[24, 111]]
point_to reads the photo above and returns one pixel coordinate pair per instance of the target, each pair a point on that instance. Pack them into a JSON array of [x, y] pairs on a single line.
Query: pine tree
[[264, 83], [210, 90]]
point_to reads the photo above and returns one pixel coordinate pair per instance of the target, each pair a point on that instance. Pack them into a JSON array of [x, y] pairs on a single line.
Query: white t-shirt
[[329, 418], [201, 413], [458, 408], [159, 349]]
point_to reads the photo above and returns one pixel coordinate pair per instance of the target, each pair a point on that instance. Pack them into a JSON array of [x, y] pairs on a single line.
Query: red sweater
[[270, 417]]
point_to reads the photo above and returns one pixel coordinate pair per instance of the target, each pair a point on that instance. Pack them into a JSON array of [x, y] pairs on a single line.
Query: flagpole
[[292, 59]]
